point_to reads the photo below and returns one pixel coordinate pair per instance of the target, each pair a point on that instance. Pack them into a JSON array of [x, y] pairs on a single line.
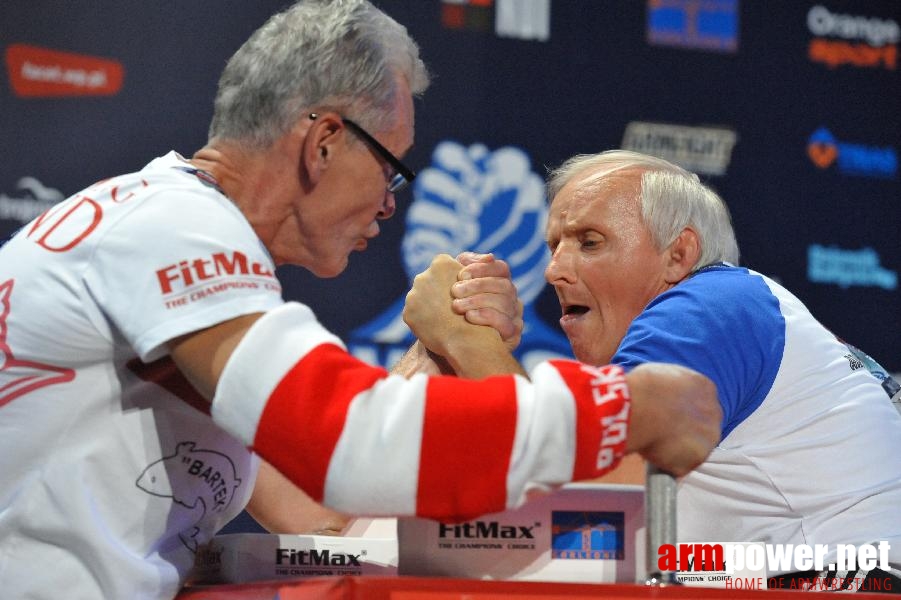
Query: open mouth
[[575, 310]]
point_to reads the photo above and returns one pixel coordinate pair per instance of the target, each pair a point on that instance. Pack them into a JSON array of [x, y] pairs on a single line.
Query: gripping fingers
[[509, 327], [476, 266]]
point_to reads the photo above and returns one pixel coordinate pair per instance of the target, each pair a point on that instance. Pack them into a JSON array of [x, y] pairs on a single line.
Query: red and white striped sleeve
[[368, 443]]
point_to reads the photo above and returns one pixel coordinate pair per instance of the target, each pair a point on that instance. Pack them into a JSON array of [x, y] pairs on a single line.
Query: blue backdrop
[[789, 109]]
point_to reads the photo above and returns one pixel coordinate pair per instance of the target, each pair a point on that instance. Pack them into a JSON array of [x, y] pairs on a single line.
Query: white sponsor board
[[579, 533], [246, 557]]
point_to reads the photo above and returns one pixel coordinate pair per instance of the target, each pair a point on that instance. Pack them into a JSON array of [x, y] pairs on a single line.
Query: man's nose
[[561, 268], [388, 207]]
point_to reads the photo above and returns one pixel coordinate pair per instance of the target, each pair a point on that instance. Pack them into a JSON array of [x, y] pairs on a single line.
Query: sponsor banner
[[30, 200], [703, 150], [862, 41], [474, 15], [523, 19], [519, 19], [246, 557], [703, 24], [41, 72], [848, 268], [824, 150]]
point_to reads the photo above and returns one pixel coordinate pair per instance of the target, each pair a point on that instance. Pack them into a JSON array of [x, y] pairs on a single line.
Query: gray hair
[[327, 54], [671, 199]]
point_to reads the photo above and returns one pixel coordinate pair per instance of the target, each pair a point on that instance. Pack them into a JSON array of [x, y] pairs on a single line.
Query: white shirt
[[109, 479], [811, 441]]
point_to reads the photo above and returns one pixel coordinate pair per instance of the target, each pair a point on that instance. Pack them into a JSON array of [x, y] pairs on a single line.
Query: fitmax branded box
[[579, 533], [246, 557]]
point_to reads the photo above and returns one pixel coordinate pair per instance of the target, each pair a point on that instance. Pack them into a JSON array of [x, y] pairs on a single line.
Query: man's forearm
[[418, 359], [483, 358], [470, 361]]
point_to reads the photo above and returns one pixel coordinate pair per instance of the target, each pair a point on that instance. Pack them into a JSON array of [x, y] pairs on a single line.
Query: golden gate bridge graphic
[[589, 535]]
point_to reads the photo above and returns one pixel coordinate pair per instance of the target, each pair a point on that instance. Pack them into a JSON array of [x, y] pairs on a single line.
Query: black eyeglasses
[[402, 177]]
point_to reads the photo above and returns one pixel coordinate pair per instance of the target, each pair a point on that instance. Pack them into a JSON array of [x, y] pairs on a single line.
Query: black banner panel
[[790, 110]]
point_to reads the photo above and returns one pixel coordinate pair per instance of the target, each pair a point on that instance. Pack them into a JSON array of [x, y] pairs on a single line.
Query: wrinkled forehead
[[596, 184]]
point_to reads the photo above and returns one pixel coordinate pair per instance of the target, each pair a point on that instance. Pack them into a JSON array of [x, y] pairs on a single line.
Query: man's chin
[[590, 356], [329, 270]]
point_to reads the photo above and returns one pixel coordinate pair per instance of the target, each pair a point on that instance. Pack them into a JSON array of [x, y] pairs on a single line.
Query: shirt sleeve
[[181, 261], [727, 326]]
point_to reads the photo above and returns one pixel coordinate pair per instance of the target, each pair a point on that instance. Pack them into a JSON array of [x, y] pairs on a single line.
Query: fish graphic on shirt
[[195, 479]]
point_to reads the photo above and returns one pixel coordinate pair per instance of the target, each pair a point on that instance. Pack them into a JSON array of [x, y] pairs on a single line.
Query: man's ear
[[682, 255], [319, 146]]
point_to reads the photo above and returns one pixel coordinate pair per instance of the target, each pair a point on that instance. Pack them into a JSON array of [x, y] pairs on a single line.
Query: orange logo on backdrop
[[822, 154], [41, 72], [837, 53]]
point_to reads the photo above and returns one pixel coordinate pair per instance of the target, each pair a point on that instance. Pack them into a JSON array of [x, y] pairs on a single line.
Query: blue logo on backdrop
[[587, 535], [704, 24], [852, 159], [473, 199], [847, 268]]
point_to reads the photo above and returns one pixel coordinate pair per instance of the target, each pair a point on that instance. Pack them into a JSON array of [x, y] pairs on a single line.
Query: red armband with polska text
[[603, 408]]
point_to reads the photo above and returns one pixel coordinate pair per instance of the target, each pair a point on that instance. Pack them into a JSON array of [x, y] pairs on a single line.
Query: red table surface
[[418, 588]]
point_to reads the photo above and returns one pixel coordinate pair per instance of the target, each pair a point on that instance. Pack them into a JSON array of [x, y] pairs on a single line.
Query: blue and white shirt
[[811, 444]]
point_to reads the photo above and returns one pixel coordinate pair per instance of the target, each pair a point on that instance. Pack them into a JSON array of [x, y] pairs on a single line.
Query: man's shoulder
[[722, 288], [167, 195], [722, 306]]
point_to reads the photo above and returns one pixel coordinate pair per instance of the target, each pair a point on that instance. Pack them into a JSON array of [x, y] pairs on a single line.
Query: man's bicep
[[201, 355]]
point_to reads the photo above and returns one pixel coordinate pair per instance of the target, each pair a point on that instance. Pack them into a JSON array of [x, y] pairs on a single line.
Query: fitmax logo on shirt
[[185, 273]]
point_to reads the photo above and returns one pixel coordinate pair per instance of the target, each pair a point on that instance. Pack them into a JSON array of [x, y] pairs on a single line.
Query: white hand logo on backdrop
[[473, 199]]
